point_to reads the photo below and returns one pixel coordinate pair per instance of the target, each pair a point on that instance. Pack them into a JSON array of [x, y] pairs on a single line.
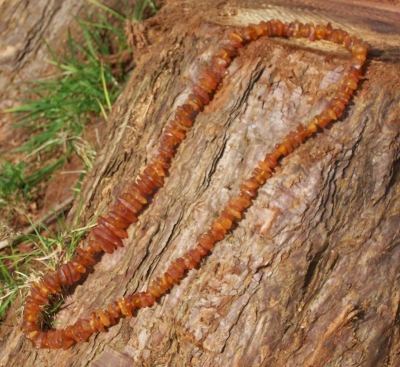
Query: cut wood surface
[[310, 276]]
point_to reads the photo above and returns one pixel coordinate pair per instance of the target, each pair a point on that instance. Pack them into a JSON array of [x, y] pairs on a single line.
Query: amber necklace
[[111, 228]]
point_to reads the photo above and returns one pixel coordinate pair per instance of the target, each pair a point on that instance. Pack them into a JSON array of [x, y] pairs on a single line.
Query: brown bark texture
[[310, 276]]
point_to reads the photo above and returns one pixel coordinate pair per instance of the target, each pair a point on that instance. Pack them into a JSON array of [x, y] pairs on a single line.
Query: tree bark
[[310, 276]]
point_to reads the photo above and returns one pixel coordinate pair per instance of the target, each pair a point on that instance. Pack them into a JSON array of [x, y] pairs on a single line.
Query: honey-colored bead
[[236, 204], [195, 255], [236, 39], [156, 159], [288, 144], [79, 267], [216, 226], [102, 234], [350, 41], [125, 210], [225, 222], [249, 33], [195, 101], [105, 319], [106, 222], [281, 148], [202, 94], [320, 31], [247, 193], [201, 250], [221, 53], [260, 175], [312, 127], [75, 274], [207, 241], [189, 261], [235, 213], [94, 246], [351, 84], [244, 200], [251, 184], [278, 28]]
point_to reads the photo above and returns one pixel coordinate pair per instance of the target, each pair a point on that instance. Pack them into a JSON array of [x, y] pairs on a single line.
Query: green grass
[[55, 115], [60, 107], [47, 252]]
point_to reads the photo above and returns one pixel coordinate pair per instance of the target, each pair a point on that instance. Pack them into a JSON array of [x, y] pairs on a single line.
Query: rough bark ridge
[[310, 276]]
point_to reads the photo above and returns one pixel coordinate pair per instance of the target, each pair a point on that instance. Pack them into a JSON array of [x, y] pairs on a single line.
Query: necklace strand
[[111, 228]]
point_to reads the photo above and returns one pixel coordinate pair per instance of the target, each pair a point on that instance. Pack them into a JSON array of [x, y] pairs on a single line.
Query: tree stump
[[310, 276]]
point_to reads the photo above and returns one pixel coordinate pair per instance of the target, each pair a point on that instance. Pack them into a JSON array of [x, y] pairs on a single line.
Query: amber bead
[[201, 250], [202, 94], [102, 234], [288, 144], [248, 33], [108, 223], [294, 29], [77, 265], [124, 306], [231, 50], [107, 246], [236, 39], [227, 214], [190, 262], [225, 221], [236, 204], [55, 339], [177, 133], [207, 241], [169, 280], [312, 36], [219, 69], [220, 61], [278, 28], [271, 160], [187, 110], [125, 210], [52, 283], [152, 173], [322, 120], [260, 175], [328, 31], [163, 162], [165, 151], [117, 224], [182, 122], [162, 287], [217, 226], [155, 288], [195, 101], [320, 31], [294, 142], [158, 169], [281, 148], [176, 271], [40, 340], [312, 128], [350, 41], [338, 107], [244, 200], [94, 246], [75, 274], [236, 213], [350, 83], [146, 299]]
